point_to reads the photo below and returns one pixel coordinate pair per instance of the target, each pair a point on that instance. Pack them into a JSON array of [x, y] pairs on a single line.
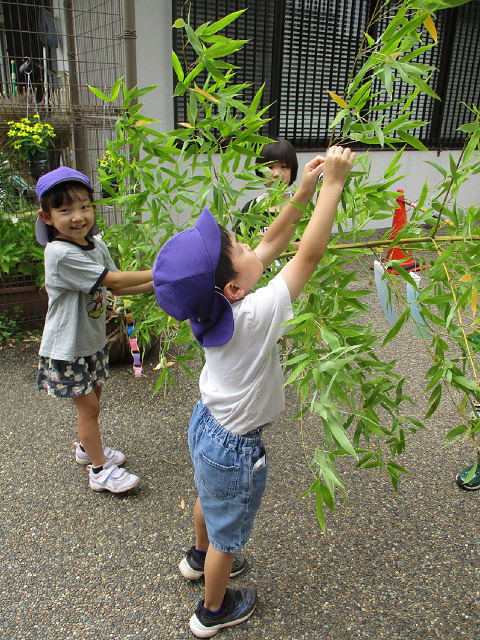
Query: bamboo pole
[[389, 242]]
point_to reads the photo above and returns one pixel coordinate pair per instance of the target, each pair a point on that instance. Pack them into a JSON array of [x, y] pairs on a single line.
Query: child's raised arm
[[280, 232], [336, 168], [127, 283]]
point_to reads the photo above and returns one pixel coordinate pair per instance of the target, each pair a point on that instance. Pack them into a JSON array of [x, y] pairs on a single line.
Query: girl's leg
[[218, 566], [88, 410]]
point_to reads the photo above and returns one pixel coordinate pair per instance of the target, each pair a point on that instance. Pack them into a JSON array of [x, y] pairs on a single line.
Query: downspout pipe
[[130, 36], [77, 120]]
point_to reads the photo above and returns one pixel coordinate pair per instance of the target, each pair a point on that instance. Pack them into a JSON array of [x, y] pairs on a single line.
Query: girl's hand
[[311, 175], [337, 165]]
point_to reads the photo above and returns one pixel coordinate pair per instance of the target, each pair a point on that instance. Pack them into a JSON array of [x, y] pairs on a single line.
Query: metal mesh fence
[[309, 46], [50, 51]]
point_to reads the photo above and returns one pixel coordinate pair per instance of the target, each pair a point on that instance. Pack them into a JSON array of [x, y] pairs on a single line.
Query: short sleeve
[[267, 309], [75, 270]]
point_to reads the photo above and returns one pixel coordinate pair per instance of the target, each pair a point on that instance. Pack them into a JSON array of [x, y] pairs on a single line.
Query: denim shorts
[[72, 378], [230, 474]]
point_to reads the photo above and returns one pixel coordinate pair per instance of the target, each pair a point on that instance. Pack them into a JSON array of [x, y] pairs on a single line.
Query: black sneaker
[[191, 567], [237, 605]]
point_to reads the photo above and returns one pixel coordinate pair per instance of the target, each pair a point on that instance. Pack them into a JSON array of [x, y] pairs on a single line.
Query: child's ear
[[232, 292], [45, 216]]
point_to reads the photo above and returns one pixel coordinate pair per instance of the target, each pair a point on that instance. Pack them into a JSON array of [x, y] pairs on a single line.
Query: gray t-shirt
[[75, 322]]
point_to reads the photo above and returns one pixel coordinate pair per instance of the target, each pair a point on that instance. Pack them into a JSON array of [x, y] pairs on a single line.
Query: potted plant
[[31, 138], [109, 167]]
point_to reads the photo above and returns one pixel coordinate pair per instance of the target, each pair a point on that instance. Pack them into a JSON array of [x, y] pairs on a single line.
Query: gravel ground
[[79, 564]]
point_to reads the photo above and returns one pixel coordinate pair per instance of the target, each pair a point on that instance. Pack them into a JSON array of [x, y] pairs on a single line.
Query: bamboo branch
[[388, 242]]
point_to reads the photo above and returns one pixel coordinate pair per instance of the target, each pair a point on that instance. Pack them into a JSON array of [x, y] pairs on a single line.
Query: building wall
[[154, 37], [154, 58]]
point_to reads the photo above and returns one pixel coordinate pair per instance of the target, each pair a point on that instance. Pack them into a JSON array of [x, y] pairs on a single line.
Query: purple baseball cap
[[49, 180], [184, 282]]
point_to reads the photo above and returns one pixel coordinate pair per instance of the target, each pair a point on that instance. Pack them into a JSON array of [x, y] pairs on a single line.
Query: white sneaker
[[112, 456], [113, 479]]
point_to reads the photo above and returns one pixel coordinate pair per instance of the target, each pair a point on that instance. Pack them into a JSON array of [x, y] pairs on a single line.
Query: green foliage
[[9, 325], [20, 253], [333, 357]]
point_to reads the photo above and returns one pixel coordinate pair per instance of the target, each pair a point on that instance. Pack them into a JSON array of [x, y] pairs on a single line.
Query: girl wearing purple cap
[[73, 354], [206, 275]]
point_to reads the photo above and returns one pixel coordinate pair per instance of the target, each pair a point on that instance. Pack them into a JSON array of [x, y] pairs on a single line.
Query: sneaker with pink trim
[[113, 479], [112, 456]]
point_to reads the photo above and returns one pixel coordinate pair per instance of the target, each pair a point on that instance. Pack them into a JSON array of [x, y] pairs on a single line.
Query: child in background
[[204, 274], [73, 360], [281, 160]]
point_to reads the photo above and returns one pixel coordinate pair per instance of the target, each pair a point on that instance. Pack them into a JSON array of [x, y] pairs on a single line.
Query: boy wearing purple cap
[[73, 356], [205, 275]]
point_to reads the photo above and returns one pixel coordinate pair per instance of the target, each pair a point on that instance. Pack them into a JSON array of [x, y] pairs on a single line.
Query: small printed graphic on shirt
[[96, 305]]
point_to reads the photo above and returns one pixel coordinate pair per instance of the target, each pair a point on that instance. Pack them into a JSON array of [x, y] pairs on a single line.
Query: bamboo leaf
[[379, 132], [338, 432], [205, 94], [466, 278], [471, 147], [319, 506], [457, 431], [98, 93], [398, 467], [466, 383], [474, 301], [472, 471], [430, 27], [423, 86], [411, 140], [340, 101], [397, 326], [115, 90], [194, 41], [177, 66], [340, 115], [326, 496], [221, 24]]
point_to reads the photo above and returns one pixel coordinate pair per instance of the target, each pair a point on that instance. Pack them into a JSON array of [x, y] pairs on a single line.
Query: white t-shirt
[[242, 382], [75, 322]]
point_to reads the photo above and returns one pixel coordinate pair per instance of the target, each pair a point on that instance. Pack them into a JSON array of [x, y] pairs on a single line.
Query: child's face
[[279, 169], [72, 221], [247, 264]]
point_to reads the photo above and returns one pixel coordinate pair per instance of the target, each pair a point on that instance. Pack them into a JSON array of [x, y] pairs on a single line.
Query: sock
[[202, 553], [215, 613], [81, 448], [97, 469]]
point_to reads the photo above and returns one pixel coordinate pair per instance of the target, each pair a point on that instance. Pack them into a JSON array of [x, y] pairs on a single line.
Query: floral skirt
[[73, 378]]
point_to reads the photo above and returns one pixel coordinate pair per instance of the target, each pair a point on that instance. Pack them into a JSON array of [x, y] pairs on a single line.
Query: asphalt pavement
[[85, 565]]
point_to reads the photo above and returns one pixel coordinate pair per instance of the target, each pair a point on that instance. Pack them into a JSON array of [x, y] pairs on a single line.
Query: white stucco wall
[[418, 171]]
